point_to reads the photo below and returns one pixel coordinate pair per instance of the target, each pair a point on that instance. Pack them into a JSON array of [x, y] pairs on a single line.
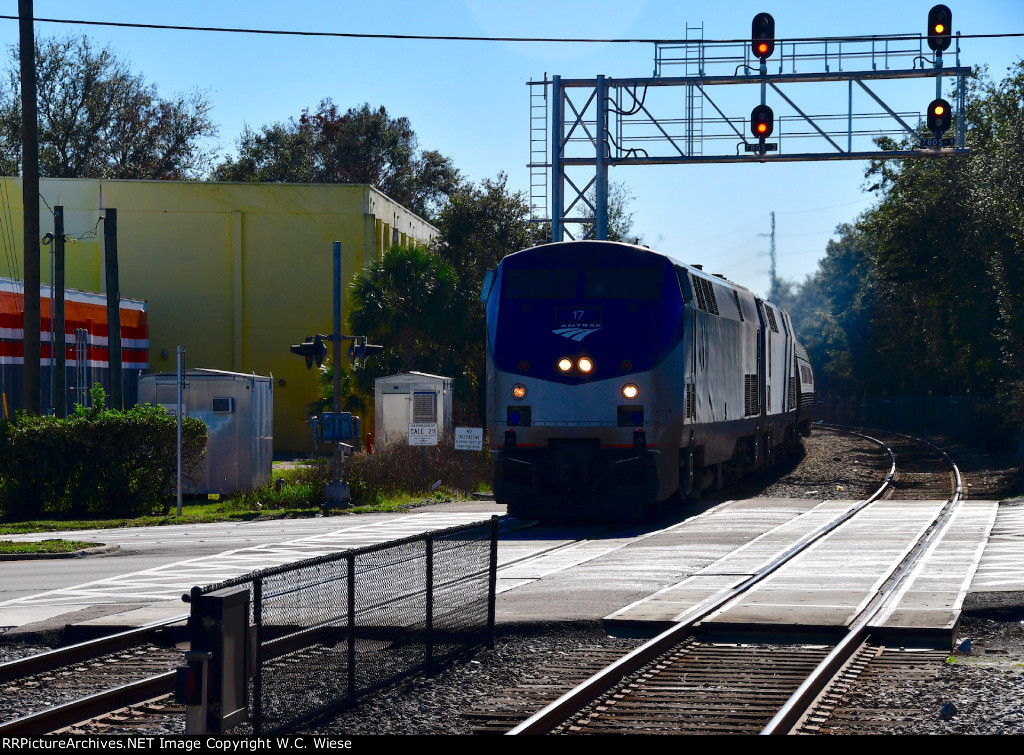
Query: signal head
[[940, 28], [762, 36], [319, 351], [762, 121], [940, 117]]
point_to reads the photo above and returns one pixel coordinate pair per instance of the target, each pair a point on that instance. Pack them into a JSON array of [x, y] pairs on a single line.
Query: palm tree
[[411, 302]]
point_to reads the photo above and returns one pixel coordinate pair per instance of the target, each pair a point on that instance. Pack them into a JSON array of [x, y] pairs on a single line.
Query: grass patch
[[45, 546]]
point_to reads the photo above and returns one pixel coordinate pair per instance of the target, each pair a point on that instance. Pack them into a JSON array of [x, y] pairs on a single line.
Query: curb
[[97, 550]]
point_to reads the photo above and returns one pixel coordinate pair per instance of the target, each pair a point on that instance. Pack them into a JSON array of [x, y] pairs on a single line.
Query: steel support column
[[601, 164], [557, 145]]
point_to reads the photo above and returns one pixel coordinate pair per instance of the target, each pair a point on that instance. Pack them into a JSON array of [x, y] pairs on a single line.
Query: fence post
[[351, 624], [430, 606], [257, 655], [196, 713], [492, 582]]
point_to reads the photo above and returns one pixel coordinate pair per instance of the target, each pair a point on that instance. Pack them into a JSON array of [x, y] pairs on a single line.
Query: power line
[[464, 38]]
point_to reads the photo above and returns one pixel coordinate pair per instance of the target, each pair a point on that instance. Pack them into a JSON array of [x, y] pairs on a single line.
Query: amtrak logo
[[576, 332]]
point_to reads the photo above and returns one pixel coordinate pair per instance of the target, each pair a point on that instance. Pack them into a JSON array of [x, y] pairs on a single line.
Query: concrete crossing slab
[[824, 588]]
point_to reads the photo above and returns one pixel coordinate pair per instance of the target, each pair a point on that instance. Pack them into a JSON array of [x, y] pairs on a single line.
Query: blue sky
[[469, 100]]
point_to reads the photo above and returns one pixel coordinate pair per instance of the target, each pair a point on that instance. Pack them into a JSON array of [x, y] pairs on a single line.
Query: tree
[[362, 145], [412, 303], [620, 218], [479, 226], [924, 292], [98, 119]]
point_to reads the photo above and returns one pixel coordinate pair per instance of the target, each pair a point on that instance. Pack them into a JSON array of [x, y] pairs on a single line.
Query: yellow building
[[234, 272]]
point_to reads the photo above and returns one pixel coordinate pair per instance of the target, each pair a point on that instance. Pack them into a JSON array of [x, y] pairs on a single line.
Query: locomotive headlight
[[564, 364], [519, 391], [630, 391], [586, 365]]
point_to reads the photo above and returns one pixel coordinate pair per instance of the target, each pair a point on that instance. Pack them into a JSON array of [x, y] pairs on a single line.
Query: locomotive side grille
[[705, 293], [739, 309], [699, 292], [792, 392], [750, 402], [690, 388], [770, 313]]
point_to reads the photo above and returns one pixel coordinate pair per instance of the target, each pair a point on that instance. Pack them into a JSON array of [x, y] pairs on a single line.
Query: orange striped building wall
[[87, 362]]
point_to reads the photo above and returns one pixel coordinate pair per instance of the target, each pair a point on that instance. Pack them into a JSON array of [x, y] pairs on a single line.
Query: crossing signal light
[[762, 121], [359, 350], [940, 27], [940, 117], [762, 36], [313, 349]]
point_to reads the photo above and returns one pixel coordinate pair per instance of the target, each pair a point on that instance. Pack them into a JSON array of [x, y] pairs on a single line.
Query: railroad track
[[116, 684], [50, 691], [680, 682]]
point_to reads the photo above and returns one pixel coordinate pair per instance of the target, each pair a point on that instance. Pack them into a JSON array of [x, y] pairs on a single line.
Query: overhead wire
[[472, 38]]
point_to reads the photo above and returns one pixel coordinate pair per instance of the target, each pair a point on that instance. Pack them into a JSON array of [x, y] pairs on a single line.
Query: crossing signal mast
[[592, 124]]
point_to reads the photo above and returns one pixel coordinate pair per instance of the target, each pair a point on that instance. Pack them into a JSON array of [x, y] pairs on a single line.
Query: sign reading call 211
[[469, 439], [423, 434]]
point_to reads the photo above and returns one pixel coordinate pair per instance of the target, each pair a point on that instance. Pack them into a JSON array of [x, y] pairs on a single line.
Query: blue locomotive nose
[[592, 312]]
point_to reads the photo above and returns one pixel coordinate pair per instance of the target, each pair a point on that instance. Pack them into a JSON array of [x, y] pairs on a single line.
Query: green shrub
[[396, 468], [97, 463], [301, 488], [392, 471]]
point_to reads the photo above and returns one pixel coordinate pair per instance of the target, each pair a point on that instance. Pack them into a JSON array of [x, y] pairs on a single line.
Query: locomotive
[[618, 379]]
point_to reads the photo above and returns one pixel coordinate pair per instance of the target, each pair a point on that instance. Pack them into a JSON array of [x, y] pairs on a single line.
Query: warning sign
[[469, 439], [423, 434]]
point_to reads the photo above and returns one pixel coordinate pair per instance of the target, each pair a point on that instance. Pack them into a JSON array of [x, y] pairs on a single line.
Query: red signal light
[[762, 121], [762, 36]]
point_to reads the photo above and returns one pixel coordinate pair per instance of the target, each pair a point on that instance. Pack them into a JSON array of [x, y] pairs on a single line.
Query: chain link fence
[[967, 418], [327, 630]]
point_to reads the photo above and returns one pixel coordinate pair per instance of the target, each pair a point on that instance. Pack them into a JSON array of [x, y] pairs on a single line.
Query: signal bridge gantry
[[581, 127]]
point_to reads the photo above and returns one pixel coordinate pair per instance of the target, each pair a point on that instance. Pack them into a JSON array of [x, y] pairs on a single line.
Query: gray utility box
[[238, 410], [409, 397]]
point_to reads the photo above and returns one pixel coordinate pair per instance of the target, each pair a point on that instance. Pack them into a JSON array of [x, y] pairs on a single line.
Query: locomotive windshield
[[539, 284], [616, 304], [599, 283], [623, 283]]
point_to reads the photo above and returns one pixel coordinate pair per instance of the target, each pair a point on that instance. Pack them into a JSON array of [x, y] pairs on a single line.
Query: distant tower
[[771, 254]]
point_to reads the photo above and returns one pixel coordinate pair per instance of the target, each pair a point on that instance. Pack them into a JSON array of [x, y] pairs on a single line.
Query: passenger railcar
[[618, 378]]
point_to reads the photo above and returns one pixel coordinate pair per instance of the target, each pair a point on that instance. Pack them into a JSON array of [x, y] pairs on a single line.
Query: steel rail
[[796, 708], [76, 711], [51, 659], [557, 711]]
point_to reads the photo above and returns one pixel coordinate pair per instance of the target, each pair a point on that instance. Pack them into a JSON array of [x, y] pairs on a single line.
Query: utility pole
[[60, 391], [30, 203], [113, 310], [773, 262]]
